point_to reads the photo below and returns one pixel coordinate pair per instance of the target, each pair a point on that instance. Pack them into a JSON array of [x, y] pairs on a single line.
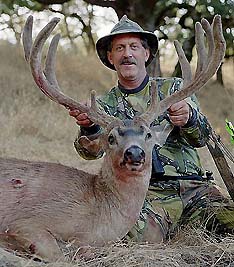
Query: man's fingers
[[180, 116], [178, 120], [74, 112], [82, 116], [82, 119], [78, 115], [85, 122], [179, 106], [179, 112], [175, 107]]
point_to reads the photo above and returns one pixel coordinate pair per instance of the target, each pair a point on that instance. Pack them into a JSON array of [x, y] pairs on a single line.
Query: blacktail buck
[[42, 202]]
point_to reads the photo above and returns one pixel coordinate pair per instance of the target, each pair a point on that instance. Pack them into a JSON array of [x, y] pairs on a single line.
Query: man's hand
[[179, 113], [81, 118]]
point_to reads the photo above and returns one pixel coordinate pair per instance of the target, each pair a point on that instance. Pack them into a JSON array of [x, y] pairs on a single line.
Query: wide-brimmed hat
[[126, 25]]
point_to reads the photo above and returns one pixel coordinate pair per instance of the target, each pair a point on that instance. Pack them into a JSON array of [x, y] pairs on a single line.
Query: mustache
[[128, 61]]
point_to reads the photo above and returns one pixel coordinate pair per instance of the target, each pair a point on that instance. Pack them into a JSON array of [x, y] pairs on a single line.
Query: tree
[[172, 19], [11, 17], [78, 11], [52, 2], [159, 15], [83, 15]]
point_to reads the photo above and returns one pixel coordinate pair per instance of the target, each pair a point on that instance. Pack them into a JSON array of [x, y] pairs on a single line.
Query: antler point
[[204, 22], [55, 19], [30, 17], [57, 36]]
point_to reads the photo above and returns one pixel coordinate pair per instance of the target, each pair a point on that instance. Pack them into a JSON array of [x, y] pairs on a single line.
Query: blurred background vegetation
[[83, 19]]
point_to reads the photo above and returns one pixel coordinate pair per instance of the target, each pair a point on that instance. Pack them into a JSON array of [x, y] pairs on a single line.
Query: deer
[[44, 202]]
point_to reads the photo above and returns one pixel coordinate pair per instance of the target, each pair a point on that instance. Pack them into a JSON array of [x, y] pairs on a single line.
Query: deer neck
[[122, 196], [125, 182]]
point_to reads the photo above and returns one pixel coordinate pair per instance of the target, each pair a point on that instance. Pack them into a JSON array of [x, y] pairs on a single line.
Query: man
[[178, 190]]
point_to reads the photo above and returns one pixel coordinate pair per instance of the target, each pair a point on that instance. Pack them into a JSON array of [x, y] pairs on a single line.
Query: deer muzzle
[[134, 157]]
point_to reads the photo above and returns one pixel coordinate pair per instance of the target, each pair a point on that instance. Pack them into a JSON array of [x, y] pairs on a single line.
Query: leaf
[[230, 130]]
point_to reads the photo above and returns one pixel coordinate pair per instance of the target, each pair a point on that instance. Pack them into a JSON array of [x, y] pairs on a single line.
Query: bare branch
[[52, 2], [103, 3]]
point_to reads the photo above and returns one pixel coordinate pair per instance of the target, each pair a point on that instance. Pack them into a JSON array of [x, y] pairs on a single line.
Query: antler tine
[[49, 70], [27, 37], [219, 40], [184, 64], [153, 110], [217, 54], [50, 89], [203, 58], [209, 33], [46, 80], [94, 113], [201, 49], [101, 118]]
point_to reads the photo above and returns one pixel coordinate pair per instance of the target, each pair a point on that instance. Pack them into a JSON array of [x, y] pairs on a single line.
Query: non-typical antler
[[46, 79], [207, 64]]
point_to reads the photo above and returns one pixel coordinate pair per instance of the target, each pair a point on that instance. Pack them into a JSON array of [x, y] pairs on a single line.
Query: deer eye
[[111, 139], [148, 136]]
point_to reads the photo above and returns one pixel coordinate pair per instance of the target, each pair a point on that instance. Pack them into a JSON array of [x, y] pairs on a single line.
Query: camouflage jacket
[[178, 156]]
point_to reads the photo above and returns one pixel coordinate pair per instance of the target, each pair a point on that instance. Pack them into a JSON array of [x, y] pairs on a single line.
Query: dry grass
[[34, 128], [192, 248]]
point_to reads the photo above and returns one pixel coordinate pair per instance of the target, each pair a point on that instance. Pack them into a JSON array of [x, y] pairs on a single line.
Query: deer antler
[[207, 63], [46, 80], [153, 110]]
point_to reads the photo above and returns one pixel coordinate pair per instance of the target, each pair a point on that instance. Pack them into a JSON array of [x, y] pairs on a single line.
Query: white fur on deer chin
[[134, 166]]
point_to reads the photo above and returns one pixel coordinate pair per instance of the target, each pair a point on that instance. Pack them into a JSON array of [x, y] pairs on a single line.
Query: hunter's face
[[128, 56]]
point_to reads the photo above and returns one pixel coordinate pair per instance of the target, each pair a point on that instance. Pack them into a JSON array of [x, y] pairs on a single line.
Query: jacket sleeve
[[196, 130]]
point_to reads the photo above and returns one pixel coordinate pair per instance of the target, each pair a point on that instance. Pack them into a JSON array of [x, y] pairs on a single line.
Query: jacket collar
[[134, 90]]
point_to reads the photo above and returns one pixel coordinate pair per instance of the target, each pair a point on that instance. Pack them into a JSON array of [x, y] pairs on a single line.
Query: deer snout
[[134, 155]]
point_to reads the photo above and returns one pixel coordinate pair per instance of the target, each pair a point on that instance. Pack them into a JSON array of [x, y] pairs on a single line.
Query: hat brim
[[104, 42]]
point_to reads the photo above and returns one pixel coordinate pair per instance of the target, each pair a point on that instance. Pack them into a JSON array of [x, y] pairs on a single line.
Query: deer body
[[43, 202]]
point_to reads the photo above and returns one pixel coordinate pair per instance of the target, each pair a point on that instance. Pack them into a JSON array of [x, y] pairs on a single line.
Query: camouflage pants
[[171, 204]]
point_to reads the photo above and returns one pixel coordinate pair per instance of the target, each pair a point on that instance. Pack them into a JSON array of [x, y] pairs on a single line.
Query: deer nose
[[134, 154]]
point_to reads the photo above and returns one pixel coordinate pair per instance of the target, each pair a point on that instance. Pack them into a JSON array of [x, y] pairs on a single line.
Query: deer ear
[[161, 133]]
